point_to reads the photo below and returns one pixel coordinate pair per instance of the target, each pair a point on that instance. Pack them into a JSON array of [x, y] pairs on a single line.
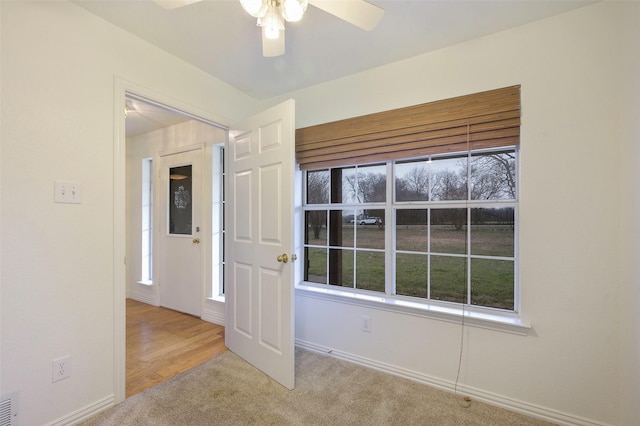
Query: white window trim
[[482, 318], [215, 292], [478, 316], [146, 269]]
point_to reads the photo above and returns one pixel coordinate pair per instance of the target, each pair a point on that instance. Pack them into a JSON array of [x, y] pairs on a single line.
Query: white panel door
[[259, 273], [180, 262]]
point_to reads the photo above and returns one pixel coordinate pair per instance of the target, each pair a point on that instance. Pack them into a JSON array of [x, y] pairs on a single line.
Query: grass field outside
[[438, 271]]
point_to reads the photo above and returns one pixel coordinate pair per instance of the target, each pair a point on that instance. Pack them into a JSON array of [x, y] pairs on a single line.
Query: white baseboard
[[501, 401], [143, 297], [85, 413], [214, 317]]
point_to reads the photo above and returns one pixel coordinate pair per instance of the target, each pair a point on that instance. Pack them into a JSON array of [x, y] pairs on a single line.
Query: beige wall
[[58, 68], [629, 214], [579, 190], [573, 198]]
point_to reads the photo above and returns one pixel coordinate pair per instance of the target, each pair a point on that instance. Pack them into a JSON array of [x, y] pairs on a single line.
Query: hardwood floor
[[162, 343]]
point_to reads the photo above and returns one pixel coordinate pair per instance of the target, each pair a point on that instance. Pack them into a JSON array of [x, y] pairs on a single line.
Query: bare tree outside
[[318, 187], [493, 176], [450, 184], [318, 190], [414, 183], [372, 187], [366, 187]]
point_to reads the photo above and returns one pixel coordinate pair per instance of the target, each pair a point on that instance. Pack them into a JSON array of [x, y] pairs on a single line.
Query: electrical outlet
[[366, 323], [61, 369]]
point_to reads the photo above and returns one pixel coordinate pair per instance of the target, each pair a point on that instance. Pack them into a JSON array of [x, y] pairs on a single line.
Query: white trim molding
[[501, 401], [504, 322], [144, 297], [85, 413]]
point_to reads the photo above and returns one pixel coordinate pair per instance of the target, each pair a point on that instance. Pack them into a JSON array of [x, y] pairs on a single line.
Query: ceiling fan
[[272, 14]]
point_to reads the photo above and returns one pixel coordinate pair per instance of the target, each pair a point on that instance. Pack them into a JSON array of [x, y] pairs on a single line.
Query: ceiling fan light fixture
[[255, 8], [271, 32], [292, 10], [272, 14], [272, 23]]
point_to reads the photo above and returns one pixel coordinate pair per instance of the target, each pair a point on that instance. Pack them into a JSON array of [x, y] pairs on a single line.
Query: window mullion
[[389, 234], [429, 254], [468, 275], [468, 213]]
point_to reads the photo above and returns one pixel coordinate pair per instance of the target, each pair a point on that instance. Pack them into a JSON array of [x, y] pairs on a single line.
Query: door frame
[[122, 89]]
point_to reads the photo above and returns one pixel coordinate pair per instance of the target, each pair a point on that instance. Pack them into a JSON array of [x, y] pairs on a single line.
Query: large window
[[217, 223], [147, 221], [440, 228]]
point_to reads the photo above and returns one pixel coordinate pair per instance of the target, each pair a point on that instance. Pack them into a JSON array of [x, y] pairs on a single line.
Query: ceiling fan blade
[[357, 12], [174, 4], [272, 47]]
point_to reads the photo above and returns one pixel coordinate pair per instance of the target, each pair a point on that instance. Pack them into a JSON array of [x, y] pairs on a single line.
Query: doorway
[[176, 149], [269, 125]]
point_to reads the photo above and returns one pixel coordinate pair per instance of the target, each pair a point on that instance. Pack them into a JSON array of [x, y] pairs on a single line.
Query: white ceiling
[[142, 117], [219, 37]]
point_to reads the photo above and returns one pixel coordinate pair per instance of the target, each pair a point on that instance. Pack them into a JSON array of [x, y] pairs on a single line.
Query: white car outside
[[366, 221]]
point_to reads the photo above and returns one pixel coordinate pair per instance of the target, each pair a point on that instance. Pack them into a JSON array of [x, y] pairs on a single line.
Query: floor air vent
[[9, 411]]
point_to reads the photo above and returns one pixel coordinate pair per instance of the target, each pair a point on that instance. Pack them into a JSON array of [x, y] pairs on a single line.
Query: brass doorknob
[[283, 258], [196, 241]]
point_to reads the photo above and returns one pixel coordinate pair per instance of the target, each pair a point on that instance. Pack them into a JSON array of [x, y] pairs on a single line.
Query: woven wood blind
[[482, 120]]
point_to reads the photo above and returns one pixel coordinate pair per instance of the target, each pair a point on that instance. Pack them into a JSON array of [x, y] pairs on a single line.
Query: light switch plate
[[67, 192]]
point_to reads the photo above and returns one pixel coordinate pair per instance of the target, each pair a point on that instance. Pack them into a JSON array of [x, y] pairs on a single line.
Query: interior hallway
[[162, 343]]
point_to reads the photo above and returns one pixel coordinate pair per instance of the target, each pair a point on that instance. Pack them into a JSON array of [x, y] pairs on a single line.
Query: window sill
[[145, 282], [219, 298], [498, 321]]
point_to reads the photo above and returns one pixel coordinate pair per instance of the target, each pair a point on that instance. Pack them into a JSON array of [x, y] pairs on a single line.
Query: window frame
[[215, 291], [501, 319], [146, 223]]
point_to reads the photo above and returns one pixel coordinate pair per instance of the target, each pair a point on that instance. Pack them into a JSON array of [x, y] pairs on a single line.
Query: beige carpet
[[228, 391]]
